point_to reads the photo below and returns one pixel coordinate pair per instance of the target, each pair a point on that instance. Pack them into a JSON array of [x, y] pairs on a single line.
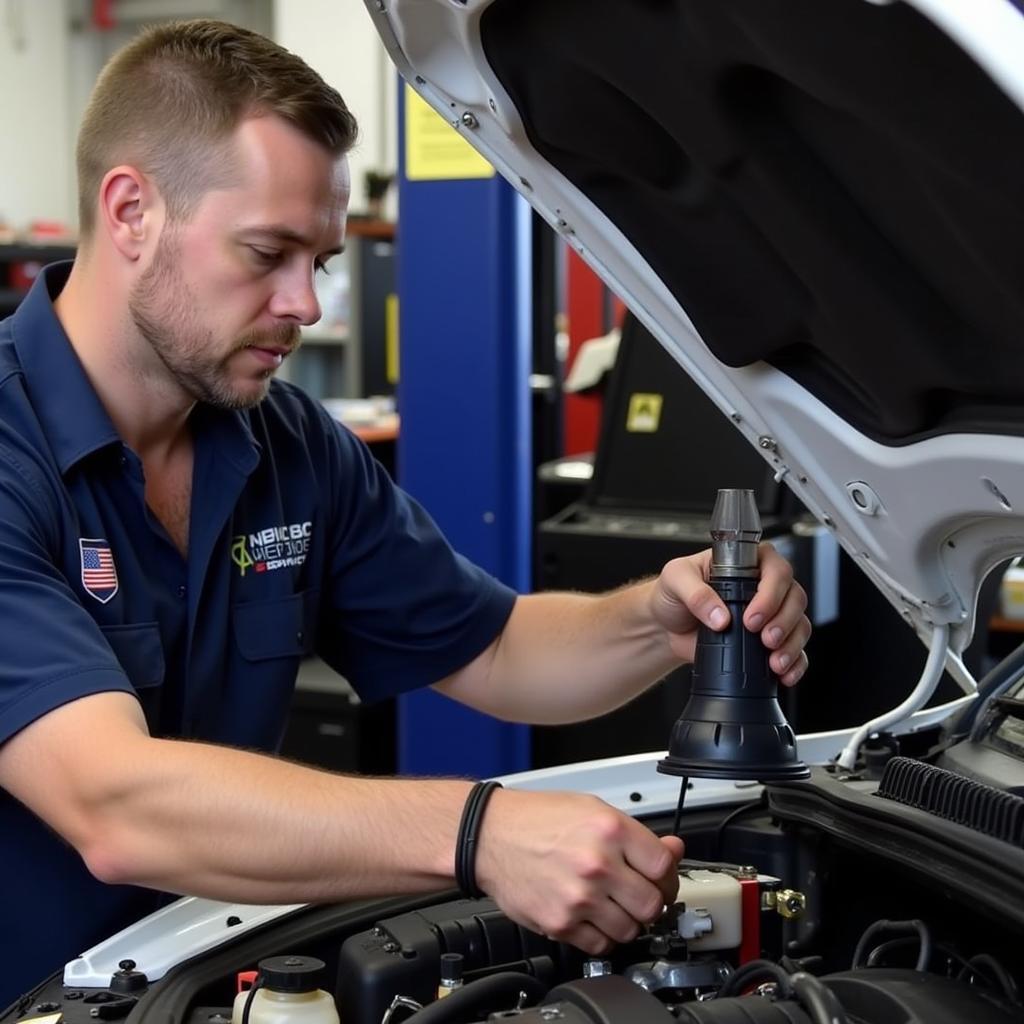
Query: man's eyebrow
[[285, 234]]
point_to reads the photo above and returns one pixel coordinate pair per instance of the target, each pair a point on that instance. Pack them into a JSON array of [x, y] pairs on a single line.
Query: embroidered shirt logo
[[276, 547], [99, 575]]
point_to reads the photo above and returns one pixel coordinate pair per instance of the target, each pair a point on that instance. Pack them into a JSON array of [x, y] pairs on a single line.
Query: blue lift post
[[464, 449]]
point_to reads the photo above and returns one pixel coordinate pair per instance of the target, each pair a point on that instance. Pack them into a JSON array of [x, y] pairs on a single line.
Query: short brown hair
[[169, 101]]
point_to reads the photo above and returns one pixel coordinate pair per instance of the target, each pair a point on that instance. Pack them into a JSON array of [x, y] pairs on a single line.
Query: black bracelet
[[469, 830]]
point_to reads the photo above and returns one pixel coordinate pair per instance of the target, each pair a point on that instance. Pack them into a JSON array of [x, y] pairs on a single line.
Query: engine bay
[[824, 901]]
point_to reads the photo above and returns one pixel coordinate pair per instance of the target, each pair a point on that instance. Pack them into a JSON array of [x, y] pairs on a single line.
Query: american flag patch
[[99, 577]]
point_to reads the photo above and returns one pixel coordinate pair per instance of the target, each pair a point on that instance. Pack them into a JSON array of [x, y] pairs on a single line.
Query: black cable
[[731, 817], [999, 972], [749, 972], [493, 994], [258, 983], [817, 999], [897, 927], [679, 805]]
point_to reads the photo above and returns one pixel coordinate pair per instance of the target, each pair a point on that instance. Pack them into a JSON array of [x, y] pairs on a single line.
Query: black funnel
[[732, 726]]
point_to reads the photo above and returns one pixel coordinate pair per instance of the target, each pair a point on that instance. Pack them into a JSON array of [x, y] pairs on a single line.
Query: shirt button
[[299, 636], [182, 590]]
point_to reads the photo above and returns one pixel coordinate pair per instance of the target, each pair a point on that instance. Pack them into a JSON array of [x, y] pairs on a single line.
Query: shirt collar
[[71, 413]]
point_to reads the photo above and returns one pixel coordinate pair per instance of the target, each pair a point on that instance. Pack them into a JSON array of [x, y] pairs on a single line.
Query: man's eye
[[320, 265], [268, 257]]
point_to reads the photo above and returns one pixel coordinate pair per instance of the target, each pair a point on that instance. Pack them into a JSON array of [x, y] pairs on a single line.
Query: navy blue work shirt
[[299, 543]]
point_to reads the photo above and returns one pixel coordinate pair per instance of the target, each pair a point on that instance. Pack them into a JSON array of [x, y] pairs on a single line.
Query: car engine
[[841, 899]]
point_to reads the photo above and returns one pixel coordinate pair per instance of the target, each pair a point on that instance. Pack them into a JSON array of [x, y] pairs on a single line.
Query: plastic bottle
[[289, 993]]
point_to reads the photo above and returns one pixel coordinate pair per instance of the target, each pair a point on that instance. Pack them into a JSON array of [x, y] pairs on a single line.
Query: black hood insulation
[[833, 187]]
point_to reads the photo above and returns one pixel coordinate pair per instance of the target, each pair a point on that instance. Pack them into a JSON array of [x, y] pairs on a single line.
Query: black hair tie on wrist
[[469, 832]]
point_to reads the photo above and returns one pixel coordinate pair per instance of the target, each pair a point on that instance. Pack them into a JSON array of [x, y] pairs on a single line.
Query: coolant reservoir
[[289, 993], [713, 915]]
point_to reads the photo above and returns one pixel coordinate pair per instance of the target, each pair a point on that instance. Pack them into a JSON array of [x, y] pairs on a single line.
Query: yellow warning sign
[[434, 150], [644, 413], [391, 338]]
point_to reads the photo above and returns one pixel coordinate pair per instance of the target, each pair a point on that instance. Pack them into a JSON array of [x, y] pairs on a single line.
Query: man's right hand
[[574, 868]]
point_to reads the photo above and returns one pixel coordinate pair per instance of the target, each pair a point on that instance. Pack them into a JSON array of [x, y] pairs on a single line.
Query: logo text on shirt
[[276, 547]]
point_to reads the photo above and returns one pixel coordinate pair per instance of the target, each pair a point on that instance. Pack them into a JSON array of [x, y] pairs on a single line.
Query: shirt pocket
[[140, 652], [278, 627]]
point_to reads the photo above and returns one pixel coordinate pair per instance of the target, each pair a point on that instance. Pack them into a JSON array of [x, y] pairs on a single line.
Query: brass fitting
[[790, 903]]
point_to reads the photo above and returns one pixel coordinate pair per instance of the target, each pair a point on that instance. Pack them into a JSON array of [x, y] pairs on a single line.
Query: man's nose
[[296, 298]]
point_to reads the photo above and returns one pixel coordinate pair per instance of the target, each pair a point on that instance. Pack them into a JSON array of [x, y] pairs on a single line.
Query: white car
[[817, 206]]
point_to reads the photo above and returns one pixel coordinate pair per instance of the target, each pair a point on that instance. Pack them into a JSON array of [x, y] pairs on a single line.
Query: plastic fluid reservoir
[[289, 993]]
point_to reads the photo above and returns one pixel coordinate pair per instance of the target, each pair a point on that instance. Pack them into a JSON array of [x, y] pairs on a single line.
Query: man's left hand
[[682, 599]]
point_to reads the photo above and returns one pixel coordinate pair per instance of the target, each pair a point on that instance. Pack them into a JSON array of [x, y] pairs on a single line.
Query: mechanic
[[177, 530]]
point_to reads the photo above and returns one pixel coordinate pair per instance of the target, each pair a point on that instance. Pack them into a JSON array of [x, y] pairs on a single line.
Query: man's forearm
[[232, 825], [563, 657], [223, 823]]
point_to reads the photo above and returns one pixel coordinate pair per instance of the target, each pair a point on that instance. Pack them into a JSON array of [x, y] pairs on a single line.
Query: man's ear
[[130, 210]]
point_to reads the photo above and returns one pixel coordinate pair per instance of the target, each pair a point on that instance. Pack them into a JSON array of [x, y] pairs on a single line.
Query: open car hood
[[817, 206]]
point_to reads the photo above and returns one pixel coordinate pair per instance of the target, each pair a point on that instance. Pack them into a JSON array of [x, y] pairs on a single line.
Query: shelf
[[370, 228], [385, 429], [325, 335], [1000, 624], [36, 252]]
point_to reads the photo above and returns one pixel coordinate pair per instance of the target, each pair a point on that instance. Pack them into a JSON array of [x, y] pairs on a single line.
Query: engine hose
[[997, 970], [479, 998], [896, 928], [750, 972], [817, 999]]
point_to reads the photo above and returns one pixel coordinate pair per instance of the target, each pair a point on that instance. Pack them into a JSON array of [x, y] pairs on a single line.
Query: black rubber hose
[[879, 955], [996, 682], [750, 972], [732, 817], [817, 999], [479, 998], [983, 962], [897, 928]]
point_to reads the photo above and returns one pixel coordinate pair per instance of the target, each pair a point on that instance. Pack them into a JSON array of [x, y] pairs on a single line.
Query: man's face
[[225, 294]]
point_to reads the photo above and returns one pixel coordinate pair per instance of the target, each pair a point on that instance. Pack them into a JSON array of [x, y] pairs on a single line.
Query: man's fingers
[[789, 617], [675, 846], [610, 919], [651, 880], [641, 898], [786, 654], [595, 877], [685, 580], [586, 937], [645, 852], [772, 590], [795, 674], [670, 883]]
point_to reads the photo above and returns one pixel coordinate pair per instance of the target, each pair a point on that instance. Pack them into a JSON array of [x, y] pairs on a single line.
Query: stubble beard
[[165, 313]]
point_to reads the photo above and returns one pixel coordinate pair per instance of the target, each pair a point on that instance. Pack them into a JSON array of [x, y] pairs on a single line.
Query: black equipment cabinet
[[650, 500], [20, 263], [664, 451], [331, 729]]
